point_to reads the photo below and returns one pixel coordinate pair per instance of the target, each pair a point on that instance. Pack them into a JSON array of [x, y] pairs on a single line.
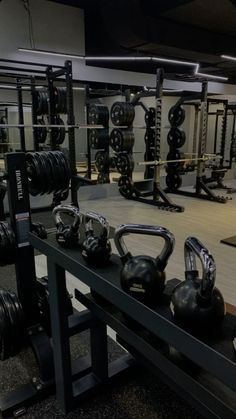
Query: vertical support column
[[20, 114], [99, 354], [60, 335], [34, 114], [71, 131], [51, 107], [157, 142], [89, 160], [19, 208], [202, 136], [223, 134], [196, 112]]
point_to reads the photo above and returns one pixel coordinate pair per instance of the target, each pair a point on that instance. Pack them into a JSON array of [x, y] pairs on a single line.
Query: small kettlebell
[[96, 249], [143, 277], [67, 235], [196, 304]]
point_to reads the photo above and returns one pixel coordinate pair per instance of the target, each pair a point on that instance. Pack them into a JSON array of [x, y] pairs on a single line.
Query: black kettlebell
[[196, 304], [143, 277], [67, 235], [96, 249]]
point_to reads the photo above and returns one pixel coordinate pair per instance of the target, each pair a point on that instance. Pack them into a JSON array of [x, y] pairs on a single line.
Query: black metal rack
[[214, 356]]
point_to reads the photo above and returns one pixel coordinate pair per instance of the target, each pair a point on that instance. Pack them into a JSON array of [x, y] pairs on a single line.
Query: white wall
[[61, 28]]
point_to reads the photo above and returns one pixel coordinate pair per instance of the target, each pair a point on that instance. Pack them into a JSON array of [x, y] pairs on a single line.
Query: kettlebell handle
[[93, 216], [69, 210], [192, 248], [150, 230]]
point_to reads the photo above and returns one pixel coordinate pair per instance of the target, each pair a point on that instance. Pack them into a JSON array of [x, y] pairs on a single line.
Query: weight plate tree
[[176, 139], [98, 139], [122, 142]]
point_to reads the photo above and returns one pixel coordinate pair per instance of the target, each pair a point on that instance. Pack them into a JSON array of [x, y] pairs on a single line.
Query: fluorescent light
[[79, 88], [125, 58], [212, 76], [59, 54], [228, 57]]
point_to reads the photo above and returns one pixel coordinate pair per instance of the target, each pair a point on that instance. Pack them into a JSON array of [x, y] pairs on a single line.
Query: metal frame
[[215, 356]]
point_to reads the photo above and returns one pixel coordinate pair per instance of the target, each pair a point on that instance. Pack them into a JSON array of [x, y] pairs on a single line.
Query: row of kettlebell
[[196, 303]]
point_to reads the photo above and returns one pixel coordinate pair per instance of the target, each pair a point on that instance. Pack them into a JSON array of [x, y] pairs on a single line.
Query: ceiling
[[190, 30]]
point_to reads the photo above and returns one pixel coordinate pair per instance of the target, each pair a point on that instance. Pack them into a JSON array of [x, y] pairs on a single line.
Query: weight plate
[[98, 114], [122, 113], [149, 155], [103, 178], [126, 186], [99, 138], [173, 181], [102, 161], [176, 137], [176, 115], [149, 137], [150, 117], [124, 163], [121, 139], [175, 155]]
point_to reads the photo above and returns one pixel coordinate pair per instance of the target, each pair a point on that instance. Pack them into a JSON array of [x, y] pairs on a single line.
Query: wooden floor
[[208, 221]]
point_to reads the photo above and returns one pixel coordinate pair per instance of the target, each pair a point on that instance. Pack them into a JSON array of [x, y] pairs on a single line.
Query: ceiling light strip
[[125, 58]]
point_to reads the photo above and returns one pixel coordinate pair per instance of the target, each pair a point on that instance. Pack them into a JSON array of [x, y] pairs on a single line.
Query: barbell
[[205, 157]]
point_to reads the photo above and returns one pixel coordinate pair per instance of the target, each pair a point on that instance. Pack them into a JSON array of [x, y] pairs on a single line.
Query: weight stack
[[98, 114], [122, 142], [176, 139]]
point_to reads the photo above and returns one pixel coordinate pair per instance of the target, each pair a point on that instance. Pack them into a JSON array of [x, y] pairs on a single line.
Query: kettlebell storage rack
[[110, 305]]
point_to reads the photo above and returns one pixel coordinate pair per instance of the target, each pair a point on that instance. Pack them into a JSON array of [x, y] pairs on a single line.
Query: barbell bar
[[205, 157]]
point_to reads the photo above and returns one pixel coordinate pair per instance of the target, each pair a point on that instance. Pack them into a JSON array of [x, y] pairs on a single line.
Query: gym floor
[[140, 394]]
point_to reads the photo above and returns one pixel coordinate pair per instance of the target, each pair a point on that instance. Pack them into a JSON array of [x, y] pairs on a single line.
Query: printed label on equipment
[[22, 229]]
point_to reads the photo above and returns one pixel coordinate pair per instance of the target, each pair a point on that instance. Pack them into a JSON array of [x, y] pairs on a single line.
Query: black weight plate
[[66, 171], [149, 155], [149, 137], [4, 244], [99, 138], [102, 161], [122, 113], [103, 178], [176, 137], [41, 131], [48, 172], [121, 139], [173, 181], [124, 163], [20, 335], [175, 155], [98, 114], [150, 117], [10, 242], [6, 331], [176, 115], [12, 317], [58, 175], [42, 178], [33, 172], [126, 186]]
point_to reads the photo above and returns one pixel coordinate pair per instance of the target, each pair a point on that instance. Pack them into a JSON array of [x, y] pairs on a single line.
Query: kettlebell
[[143, 277], [67, 235], [96, 249], [196, 304]]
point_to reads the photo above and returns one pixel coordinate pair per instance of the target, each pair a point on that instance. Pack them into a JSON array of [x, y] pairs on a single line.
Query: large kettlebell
[[96, 249], [196, 304], [143, 277], [67, 235]]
